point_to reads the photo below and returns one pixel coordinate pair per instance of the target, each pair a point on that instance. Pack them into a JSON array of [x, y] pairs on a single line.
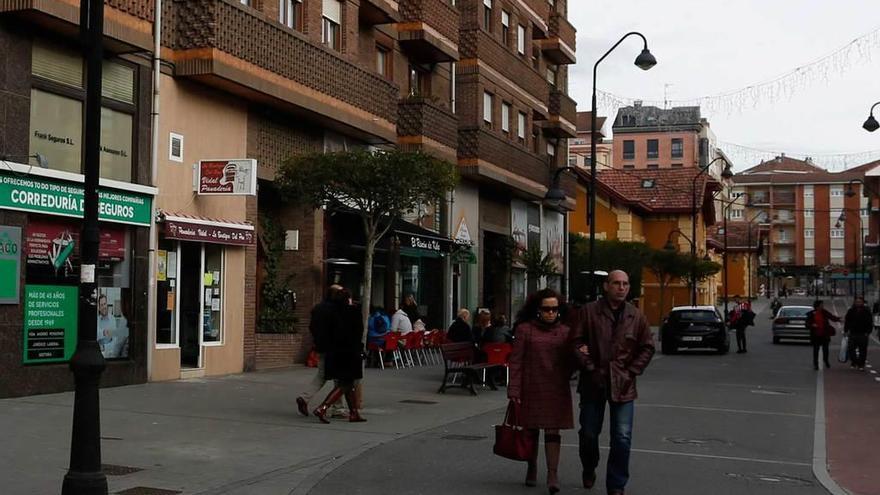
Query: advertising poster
[[50, 320], [10, 264], [112, 331]]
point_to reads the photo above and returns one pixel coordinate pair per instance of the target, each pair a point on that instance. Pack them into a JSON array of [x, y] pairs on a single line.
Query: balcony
[[420, 121], [559, 46], [783, 241], [374, 12], [429, 30], [240, 50], [780, 220], [516, 69], [759, 199], [485, 156], [783, 199], [127, 23], [563, 115]]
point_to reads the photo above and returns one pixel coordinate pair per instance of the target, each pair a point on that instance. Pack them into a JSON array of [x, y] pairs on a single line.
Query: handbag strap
[[511, 417]]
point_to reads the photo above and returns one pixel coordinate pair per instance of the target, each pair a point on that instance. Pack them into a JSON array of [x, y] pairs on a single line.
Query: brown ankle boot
[[354, 416], [552, 443], [332, 398]]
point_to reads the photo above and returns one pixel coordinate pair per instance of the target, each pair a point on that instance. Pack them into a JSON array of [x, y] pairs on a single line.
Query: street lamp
[[645, 60], [871, 124], [555, 195], [84, 476], [725, 174]]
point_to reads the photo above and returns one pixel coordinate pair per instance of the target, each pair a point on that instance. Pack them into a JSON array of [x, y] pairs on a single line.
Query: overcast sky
[[707, 47]]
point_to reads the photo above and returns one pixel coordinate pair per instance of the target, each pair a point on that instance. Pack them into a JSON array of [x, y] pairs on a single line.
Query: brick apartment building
[[479, 82], [813, 225]]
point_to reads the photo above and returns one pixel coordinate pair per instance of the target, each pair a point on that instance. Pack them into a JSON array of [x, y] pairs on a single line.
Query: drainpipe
[[154, 174]]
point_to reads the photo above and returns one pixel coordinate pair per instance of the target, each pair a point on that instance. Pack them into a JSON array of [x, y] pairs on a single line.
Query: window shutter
[[57, 65], [118, 82], [333, 10]]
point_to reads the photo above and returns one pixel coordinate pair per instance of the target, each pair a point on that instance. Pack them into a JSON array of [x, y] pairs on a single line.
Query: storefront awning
[[414, 237], [203, 229]]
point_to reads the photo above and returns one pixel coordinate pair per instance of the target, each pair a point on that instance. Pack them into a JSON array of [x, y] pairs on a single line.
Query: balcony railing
[[784, 199], [422, 117], [563, 115], [561, 41], [476, 143], [142, 9], [252, 38], [439, 14]]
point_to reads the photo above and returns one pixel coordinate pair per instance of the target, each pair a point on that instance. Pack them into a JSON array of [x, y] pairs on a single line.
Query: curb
[[820, 455]]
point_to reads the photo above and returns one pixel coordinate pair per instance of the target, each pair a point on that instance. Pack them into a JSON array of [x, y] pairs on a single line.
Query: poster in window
[[161, 265], [112, 331]]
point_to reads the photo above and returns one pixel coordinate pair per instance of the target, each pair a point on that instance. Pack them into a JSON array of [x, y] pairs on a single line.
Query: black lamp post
[[84, 477], [725, 174], [645, 60], [871, 124]]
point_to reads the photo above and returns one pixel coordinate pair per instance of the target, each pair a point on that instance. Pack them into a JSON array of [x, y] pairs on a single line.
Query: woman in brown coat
[[540, 369]]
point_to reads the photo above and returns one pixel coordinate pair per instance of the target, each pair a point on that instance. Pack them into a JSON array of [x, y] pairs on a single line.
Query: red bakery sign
[[228, 177], [217, 234]]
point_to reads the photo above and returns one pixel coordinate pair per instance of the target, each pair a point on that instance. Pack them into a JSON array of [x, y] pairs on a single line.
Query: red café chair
[[415, 344], [391, 346], [498, 354]]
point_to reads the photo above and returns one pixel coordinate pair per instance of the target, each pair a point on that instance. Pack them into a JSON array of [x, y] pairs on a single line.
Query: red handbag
[[511, 440]]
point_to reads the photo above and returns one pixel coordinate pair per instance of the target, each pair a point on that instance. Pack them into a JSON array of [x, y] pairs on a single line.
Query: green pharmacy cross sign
[[54, 197]]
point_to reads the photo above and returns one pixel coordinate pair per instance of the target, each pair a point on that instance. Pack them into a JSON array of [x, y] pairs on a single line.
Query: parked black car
[[694, 327]]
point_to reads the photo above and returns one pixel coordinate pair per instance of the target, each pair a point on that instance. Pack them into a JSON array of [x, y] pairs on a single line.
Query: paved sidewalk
[[852, 405], [239, 434]]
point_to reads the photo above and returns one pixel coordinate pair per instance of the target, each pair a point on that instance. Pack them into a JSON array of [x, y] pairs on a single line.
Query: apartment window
[[677, 148], [783, 235], [629, 150], [736, 214], [290, 13], [572, 161], [653, 166], [809, 254], [551, 148], [808, 213], [505, 28], [246, 2], [837, 253], [419, 81], [809, 233], [383, 61], [331, 33], [488, 103], [552, 71], [837, 233], [505, 117], [487, 15], [56, 109], [521, 39], [677, 165], [629, 167], [808, 191], [535, 142], [653, 148], [865, 212], [521, 127], [837, 192]]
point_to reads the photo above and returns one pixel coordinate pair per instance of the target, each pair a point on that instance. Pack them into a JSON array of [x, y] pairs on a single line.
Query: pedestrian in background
[[323, 319], [460, 330], [745, 317], [819, 323], [614, 345], [540, 367], [401, 323], [858, 324], [411, 308], [344, 360]]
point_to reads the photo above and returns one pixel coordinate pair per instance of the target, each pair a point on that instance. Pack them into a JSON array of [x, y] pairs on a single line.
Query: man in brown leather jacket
[[613, 346]]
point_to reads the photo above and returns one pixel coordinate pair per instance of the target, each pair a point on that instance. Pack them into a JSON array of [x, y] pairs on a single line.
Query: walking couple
[[610, 343]]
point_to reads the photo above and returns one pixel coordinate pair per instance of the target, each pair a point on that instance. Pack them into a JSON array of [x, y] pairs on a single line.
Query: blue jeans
[[591, 418]]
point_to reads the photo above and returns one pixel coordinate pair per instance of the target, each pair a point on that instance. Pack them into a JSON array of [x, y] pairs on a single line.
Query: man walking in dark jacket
[[858, 325], [324, 318], [614, 344]]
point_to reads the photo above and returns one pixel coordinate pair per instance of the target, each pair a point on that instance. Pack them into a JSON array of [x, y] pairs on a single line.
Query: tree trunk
[[367, 281], [662, 302]]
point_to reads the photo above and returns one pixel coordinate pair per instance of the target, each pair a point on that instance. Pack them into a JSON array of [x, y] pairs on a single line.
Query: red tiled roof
[[671, 191], [783, 164], [737, 235]]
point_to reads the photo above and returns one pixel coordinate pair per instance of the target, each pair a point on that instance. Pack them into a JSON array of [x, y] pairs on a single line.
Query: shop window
[[51, 250], [56, 116]]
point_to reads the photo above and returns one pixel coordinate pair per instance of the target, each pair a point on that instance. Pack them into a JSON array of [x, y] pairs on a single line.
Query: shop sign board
[[54, 197], [50, 321], [227, 177], [10, 264], [217, 234]]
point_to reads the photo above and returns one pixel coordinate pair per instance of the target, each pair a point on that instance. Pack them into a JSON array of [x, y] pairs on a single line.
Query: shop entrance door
[[190, 304]]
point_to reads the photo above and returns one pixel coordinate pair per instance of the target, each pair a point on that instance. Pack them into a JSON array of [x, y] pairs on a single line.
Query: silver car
[[791, 323]]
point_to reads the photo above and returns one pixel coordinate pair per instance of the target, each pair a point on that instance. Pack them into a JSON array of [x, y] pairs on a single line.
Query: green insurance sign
[[10, 264], [55, 197], [50, 321]]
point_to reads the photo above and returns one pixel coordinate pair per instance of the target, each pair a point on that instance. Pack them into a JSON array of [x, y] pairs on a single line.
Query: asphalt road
[[733, 424]]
